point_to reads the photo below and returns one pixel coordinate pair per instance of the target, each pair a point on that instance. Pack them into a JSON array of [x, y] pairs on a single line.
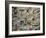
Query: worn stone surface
[[25, 18]]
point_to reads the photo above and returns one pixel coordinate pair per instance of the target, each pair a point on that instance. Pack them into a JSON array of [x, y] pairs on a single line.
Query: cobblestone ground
[[25, 18]]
